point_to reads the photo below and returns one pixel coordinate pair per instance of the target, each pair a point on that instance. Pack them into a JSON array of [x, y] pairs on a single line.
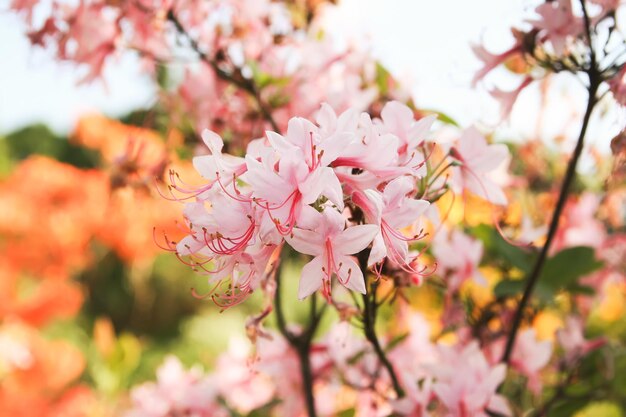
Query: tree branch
[[594, 83], [301, 342], [238, 80]]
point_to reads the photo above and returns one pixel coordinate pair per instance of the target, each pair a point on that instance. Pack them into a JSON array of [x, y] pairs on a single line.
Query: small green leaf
[[442, 117], [350, 412], [565, 268], [396, 341], [509, 287]]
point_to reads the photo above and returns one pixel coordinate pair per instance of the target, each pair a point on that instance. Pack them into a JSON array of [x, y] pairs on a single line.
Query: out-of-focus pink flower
[[617, 84], [572, 340], [459, 254], [579, 227], [91, 38], [508, 98], [176, 392], [243, 387], [491, 60], [415, 358], [530, 356], [557, 23], [330, 243], [477, 159], [466, 384]]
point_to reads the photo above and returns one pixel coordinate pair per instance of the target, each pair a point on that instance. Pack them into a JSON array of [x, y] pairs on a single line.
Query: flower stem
[[369, 324], [236, 79], [370, 311], [301, 342], [594, 83]]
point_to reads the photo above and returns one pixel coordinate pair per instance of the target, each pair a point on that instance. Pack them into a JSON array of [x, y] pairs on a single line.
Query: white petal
[[378, 252], [311, 278], [306, 242], [354, 239], [350, 274], [213, 141]]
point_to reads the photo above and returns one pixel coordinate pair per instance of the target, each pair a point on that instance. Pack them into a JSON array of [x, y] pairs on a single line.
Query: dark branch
[[236, 79]]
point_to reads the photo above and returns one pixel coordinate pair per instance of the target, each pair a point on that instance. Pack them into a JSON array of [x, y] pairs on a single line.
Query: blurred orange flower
[[48, 212], [38, 375]]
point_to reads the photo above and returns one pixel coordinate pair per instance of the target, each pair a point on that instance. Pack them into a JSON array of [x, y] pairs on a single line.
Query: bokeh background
[[83, 282]]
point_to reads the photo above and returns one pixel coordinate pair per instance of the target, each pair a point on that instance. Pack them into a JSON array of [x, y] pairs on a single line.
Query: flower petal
[[350, 274], [354, 239], [306, 242], [311, 278]]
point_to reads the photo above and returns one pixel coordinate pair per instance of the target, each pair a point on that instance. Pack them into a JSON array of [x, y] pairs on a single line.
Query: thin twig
[[238, 80], [594, 83], [301, 342]]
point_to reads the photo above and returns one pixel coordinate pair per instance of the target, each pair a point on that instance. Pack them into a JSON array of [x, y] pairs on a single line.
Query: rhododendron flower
[[579, 226], [471, 392], [618, 86], [391, 210], [176, 391], [491, 61], [530, 356], [218, 166], [476, 160], [330, 243], [461, 255], [572, 340], [239, 383], [557, 23]]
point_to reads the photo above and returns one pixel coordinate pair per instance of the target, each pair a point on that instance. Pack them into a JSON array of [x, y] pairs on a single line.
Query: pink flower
[[530, 356], [94, 31], [477, 160], [176, 392], [460, 254], [579, 226], [557, 23], [391, 210], [617, 84], [240, 384], [287, 187], [491, 61], [572, 340], [399, 120], [508, 98], [218, 166], [330, 243], [466, 384]]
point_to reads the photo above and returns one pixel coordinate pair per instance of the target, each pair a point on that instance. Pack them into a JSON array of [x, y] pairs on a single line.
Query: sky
[[426, 44]]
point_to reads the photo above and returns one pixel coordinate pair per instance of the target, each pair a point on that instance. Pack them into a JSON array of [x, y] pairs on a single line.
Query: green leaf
[[382, 79], [350, 412], [604, 409], [567, 408], [442, 117], [500, 250], [396, 341], [565, 268], [509, 287]]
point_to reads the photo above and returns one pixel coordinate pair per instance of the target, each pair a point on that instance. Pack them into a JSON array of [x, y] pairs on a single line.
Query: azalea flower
[[392, 210], [471, 392], [330, 244], [476, 160]]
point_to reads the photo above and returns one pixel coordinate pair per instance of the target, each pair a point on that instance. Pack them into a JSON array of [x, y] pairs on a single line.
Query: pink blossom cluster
[[555, 39], [250, 55], [331, 190], [440, 379]]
